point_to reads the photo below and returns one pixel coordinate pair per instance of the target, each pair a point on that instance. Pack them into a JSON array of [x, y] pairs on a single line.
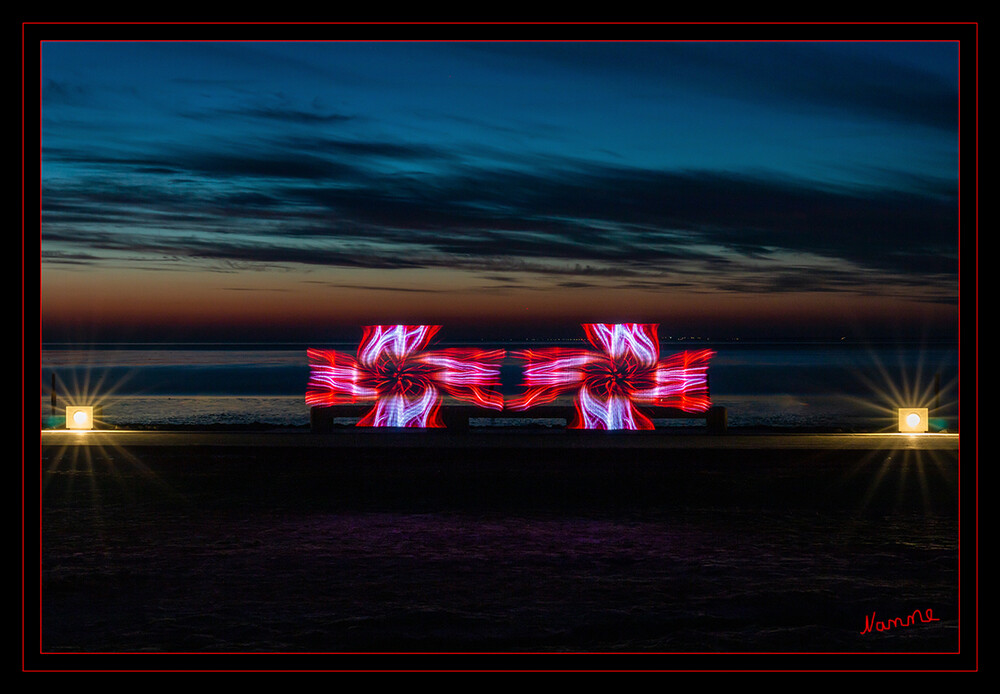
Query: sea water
[[841, 385]]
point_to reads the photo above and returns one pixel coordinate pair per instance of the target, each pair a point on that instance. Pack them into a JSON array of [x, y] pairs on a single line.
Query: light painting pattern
[[623, 372], [406, 382]]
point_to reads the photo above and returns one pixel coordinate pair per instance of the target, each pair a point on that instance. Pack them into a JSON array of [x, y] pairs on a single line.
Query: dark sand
[[512, 548]]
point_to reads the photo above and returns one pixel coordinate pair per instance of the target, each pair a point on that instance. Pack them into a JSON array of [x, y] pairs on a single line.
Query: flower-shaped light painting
[[405, 381], [625, 371]]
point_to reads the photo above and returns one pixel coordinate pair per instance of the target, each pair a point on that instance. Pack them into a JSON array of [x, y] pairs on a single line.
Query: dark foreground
[[590, 549]]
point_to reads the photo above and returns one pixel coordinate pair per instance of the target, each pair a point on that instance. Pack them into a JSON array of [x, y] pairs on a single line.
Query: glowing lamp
[[79, 417], [912, 420]]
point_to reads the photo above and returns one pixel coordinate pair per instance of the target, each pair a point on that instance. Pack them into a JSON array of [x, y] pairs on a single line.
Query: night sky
[[286, 191]]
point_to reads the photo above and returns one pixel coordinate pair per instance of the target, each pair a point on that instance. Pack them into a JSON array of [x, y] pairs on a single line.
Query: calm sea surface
[[831, 385]]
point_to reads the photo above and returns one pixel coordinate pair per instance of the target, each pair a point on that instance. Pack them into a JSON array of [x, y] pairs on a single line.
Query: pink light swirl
[[625, 370], [405, 383]]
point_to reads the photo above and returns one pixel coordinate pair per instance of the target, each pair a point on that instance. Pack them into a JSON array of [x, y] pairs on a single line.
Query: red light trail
[[405, 382], [625, 371]]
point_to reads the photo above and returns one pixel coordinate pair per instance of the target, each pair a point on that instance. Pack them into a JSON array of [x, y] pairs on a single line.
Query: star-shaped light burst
[[406, 383], [625, 371]]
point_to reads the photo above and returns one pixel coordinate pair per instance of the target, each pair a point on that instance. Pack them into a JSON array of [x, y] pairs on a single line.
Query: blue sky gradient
[[295, 190]]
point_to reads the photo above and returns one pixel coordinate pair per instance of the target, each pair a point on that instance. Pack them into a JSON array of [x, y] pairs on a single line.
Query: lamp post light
[[79, 417], [913, 420]]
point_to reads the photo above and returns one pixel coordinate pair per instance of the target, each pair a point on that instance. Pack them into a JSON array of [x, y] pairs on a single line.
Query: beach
[[551, 542]]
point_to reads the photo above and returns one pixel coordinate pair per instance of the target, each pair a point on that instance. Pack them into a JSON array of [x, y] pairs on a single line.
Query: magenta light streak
[[624, 340], [405, 383], [625, 371], [399, 411]]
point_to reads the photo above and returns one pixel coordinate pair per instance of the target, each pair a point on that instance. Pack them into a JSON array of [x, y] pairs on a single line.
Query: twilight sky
[[297, 190]]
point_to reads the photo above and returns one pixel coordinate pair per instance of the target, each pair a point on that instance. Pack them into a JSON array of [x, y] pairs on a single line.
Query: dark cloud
[[317, 202], [380, 288], [65, 93], [221, 161], [845, 82], [621, 215], [264, 165], [379, 149], [65, 258], [805, 75], [288, 115]]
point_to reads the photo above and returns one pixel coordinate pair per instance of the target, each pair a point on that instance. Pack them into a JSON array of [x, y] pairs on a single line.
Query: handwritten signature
[[887, 624]]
